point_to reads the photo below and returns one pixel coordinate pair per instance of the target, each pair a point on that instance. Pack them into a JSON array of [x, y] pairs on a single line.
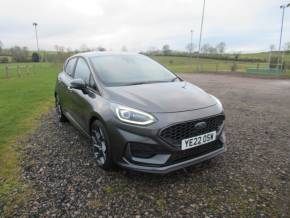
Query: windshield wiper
[[136, 83], [145, 82]]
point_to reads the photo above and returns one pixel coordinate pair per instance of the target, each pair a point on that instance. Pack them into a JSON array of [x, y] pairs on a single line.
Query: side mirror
[[78, 84]]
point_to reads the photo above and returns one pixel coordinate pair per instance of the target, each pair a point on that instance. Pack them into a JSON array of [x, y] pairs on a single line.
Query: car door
[[80, 100], [64, 81]]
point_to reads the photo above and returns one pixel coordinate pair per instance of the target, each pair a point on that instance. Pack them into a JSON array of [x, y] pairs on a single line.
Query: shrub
[[274, 62], [19, 54], [234, 67], [4, 60], [35, 57]]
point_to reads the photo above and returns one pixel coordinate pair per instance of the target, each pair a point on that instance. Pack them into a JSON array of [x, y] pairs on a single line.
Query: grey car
[[137, 114]]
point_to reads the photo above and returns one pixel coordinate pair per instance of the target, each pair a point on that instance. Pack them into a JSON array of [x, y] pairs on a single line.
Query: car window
[[82, 71], [69, 68], [92, 83]]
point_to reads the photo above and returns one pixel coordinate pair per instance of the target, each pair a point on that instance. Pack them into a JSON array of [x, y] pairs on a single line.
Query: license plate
[[198, 140]]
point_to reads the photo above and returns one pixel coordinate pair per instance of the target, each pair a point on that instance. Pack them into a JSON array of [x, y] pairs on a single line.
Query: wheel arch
[[93, 118]]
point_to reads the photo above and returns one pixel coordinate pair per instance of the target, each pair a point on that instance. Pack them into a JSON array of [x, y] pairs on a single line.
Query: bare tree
[[59, 48], [287, 46], [166, 49], [237, 55], [152, 50], [221, 47], [1, 46], [19, 54], [190, 47], [101, 48], [212, 50], [206, 48], [272, 47], [84, 48]]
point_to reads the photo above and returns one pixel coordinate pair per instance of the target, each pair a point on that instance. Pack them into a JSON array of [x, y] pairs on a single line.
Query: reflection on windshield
[[116, 70]]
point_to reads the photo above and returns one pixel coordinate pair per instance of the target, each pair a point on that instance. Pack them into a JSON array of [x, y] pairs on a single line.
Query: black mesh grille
[[176, 133]]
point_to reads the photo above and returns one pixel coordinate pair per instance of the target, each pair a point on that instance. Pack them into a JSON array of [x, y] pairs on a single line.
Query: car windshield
[[122, 70]]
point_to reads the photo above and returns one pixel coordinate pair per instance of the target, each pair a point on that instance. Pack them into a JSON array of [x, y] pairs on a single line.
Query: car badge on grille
[[200, 125]]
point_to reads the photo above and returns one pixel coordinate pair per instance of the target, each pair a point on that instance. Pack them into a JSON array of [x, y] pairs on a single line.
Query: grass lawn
[[22, 100], [189, 65]]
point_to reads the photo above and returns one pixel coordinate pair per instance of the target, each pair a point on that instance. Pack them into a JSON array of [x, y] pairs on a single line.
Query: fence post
[[258, 67], [6, 70], [18, 72], [26, 68], [216, 67]]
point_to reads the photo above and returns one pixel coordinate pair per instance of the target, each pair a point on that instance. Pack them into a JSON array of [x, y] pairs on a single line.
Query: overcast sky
[[245, 25]]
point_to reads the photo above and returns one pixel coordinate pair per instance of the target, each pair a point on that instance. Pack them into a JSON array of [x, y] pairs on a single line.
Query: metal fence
[[18, 70]]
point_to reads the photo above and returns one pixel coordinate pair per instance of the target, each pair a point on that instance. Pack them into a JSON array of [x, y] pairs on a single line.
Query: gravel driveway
[[250, 180]]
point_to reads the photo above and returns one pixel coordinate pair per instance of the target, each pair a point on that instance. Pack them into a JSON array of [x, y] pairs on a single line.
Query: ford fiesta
[[137, 114]]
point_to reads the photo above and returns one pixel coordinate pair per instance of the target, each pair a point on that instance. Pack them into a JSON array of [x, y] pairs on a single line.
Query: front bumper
[[170, 168], [143, 149]]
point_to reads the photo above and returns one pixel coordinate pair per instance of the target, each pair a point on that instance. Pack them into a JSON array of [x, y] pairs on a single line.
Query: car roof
[[103, 53]]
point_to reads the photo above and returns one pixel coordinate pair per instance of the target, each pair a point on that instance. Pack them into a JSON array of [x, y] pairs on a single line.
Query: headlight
[[133, 116]]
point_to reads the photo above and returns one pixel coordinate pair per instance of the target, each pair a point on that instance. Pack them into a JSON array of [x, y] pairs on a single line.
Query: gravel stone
[[250, 180]]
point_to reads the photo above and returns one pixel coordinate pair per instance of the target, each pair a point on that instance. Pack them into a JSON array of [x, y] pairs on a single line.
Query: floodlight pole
[[200, 35], [191, 45], [283, 7], [36, 35]]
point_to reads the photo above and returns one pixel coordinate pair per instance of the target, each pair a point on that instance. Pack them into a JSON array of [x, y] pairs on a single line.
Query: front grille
[[195, 152], [176, 133]]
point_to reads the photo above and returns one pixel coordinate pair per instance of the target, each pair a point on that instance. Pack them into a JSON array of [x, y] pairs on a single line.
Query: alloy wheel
[[99, 145], [58, 108]]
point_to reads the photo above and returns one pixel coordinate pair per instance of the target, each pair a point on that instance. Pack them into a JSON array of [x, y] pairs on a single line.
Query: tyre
[[59, 113], [100, 146]]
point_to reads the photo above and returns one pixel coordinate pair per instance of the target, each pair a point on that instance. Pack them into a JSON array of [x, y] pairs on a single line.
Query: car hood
[[160, 97]]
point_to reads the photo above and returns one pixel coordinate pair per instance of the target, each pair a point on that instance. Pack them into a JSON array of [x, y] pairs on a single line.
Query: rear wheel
[[60, 115], [100, 146]]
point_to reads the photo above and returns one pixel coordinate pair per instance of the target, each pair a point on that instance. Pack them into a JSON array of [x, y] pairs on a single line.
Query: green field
[[189, 65], [22, 100], [265, 55]]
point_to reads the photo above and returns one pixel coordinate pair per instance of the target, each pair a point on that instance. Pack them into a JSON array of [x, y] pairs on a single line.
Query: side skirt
[[76, 125]]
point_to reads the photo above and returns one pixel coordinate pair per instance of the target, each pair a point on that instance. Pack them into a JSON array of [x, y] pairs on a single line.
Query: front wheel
[[60, 115], [100, 146]]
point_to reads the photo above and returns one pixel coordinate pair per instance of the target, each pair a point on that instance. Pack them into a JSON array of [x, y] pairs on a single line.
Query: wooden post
[[18, 72], [6, 70], [258, 67], [216, 67], [26, 68]]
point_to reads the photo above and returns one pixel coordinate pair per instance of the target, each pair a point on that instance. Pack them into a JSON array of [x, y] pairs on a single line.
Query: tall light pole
[[200, 35], [191, 45], [283, 7], [201, 27], [36, 36]]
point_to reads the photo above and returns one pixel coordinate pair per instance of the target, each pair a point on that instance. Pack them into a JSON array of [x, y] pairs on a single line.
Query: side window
[[82, 71], [92, 83], [70, 66]]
